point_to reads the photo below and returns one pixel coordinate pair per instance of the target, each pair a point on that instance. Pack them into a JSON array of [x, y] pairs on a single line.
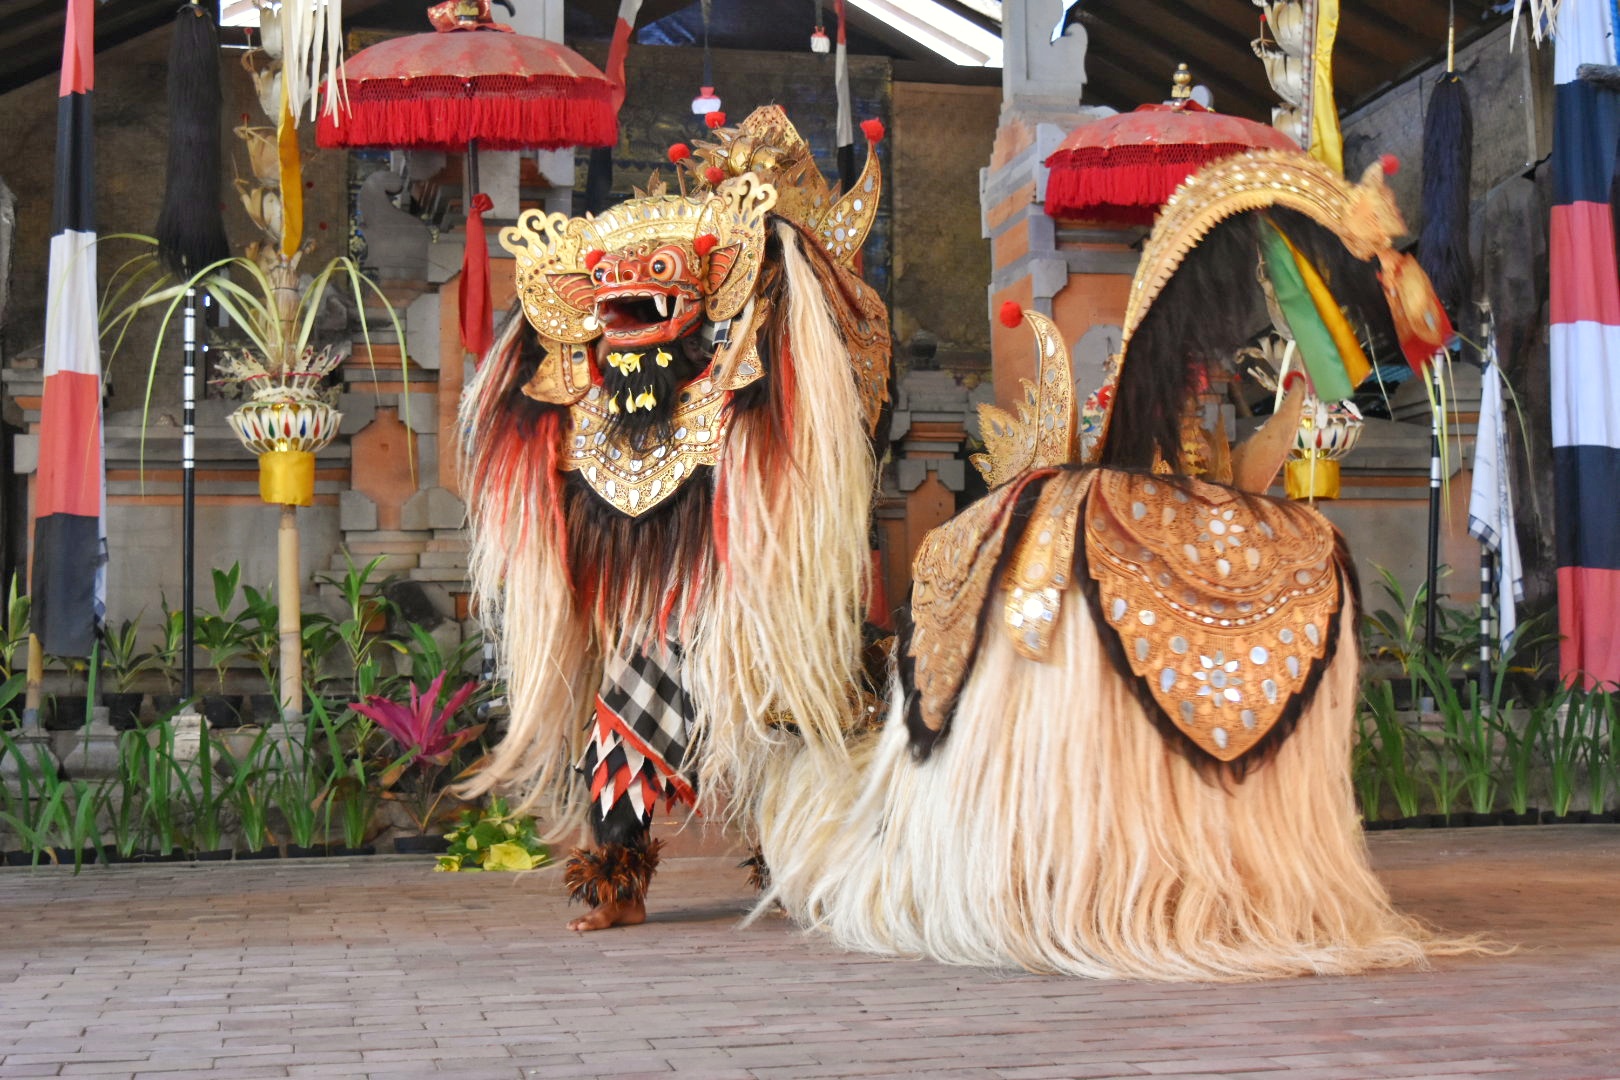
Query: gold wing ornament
[[1043, 432]]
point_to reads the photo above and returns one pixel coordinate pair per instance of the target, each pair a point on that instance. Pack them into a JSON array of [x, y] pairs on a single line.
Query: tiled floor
[[378, 968]]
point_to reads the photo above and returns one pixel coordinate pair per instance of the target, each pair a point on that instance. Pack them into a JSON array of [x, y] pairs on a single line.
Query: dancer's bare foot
[[628, 913]]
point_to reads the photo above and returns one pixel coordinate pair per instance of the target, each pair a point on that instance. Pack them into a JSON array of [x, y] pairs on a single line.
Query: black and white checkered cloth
[[641, 732]]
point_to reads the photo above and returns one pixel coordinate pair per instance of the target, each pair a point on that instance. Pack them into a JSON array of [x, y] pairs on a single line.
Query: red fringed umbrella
[[471, 84], [1122, 169]]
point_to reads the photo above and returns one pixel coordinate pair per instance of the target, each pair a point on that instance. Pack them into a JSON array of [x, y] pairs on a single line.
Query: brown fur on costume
[[759, 871], [612, 873]]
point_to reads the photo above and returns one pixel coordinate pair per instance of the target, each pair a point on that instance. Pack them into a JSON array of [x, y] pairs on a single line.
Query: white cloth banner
[[1490, 503]]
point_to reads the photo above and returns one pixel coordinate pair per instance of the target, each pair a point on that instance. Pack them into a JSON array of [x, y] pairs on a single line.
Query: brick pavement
[[378, 968]]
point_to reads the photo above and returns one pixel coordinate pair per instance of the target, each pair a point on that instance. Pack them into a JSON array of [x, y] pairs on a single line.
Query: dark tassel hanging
[[1448, 152], [599, 179], [191, 227]]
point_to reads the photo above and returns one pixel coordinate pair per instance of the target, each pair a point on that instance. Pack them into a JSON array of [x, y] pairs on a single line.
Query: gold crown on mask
[[769, 146]]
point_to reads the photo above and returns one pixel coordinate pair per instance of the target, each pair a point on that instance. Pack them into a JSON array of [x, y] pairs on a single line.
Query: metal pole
[[188, 497], [1487, 609], [1431, 607]]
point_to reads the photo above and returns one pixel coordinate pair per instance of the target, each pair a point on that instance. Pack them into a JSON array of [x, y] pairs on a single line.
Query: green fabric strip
[[1329, 380]]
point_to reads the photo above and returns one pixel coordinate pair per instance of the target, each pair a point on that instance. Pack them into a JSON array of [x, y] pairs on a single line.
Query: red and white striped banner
[[67, 583]]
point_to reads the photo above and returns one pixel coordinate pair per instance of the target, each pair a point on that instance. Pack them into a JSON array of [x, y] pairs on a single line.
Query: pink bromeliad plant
[[422, 728]]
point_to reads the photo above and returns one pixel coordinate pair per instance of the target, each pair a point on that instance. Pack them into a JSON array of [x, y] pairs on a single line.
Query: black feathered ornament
[[191, 226], [1448, 152]]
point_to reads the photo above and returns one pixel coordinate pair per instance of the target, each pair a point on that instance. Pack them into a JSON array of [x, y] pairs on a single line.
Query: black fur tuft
[[646, 427], [191, 227], [1448, 152]]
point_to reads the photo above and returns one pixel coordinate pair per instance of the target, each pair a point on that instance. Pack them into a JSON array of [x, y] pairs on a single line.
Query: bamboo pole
[[292, 638], [36, 679]]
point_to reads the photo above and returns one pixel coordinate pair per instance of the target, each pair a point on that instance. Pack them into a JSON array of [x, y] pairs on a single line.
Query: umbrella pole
[[472, 176]]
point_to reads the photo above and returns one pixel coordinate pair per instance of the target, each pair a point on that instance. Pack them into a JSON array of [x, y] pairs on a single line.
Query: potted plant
[[1519, 746], [357, 631], [169, 660], [155, 774], [1394, 754], [1597, 751], [261, 641], [422, 728], [14, 633], [123, 661], [224, 640], [248, 792], [202, 797], [301, 774], [69, 710], [1562, 729]]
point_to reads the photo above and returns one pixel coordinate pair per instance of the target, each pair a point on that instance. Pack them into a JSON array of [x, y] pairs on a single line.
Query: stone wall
[[941, 135]]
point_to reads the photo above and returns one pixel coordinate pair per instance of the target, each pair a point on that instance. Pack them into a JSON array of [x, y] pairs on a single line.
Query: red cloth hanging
[[477, 314]]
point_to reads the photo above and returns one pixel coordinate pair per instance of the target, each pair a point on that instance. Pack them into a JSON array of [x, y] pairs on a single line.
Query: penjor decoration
[[1119, 732], [669, 472], [1297, 53]]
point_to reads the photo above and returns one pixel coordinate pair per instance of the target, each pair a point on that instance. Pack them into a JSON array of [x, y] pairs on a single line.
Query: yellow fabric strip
[[1327, 145], [292, 178], [1327, 308]]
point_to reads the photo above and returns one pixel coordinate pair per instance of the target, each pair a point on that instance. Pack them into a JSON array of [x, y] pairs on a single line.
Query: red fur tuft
[[714, 174], [679, 153], [705, 244], [872, 129], [1011, 314], [715, 120], [1391, 164], [592, 257]]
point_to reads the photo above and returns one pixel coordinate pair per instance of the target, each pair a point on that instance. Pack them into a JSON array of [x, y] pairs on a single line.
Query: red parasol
[[1122, 169], [471, 84]]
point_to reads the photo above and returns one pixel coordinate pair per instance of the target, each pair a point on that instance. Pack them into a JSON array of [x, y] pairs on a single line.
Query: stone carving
[[396, 242]]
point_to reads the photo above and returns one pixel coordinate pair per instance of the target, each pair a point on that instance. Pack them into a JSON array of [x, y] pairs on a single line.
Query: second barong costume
[[1119, 737], [669, 475]]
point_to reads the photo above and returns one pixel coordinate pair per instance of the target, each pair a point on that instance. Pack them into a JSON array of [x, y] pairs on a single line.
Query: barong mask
[[653, 313]]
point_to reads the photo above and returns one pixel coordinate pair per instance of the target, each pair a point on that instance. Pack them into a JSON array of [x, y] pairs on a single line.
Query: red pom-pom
[[714, 173], [872, 129], [705, 244], [592, 257], [715, 119], [679, 153], [1391, 164], [1011, 314]]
